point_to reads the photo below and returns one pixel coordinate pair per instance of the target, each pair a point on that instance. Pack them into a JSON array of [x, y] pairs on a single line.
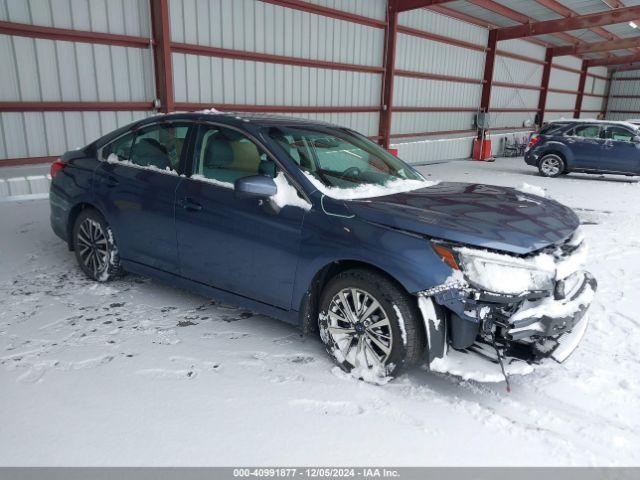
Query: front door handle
[[191, 205], [111, 181]]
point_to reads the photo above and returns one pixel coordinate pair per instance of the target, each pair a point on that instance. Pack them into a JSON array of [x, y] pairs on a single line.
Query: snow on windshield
[[399, 185], [532, 189]]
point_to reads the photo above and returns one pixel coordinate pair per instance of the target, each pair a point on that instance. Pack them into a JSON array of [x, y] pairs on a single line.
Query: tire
[[95, 248], [551, 165], [367, 350]]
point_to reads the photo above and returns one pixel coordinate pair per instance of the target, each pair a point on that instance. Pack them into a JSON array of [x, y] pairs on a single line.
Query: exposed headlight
[[499, 273]]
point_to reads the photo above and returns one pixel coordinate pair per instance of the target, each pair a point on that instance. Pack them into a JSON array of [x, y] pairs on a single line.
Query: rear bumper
[[531, 157]]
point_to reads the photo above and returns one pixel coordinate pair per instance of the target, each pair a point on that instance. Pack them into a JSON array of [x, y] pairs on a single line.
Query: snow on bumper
[[537, 331], [549, 316]]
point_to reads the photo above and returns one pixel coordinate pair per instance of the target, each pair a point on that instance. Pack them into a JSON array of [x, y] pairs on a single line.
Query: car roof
[[262, 119], [624, 123], [230, 118]]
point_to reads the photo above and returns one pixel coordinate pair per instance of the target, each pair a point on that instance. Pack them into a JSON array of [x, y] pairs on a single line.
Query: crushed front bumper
[[549, 316], [531, 327]]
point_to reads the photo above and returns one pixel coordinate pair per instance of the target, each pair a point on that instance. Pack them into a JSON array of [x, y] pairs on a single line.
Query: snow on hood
[[208, 110], [486, 216], [369, 191], [532, 189]]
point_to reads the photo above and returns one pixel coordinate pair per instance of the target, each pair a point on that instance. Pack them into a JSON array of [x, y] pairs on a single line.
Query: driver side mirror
[[255, 186], [636, 139]]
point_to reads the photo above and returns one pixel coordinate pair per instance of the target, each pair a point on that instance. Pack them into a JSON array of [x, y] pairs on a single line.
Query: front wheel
[[551, 165], [95, 247], [370, 327]]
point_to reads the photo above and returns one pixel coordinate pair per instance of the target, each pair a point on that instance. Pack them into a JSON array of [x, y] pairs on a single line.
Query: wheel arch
[[309, 304], [560, 150], [74, 212]]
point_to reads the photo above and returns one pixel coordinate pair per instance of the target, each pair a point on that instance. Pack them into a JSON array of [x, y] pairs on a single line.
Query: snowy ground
[[138, 373]]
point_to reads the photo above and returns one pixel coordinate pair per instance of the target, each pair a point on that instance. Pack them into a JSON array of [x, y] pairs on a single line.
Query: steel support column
[[580, 95], [487, 78], [386, 107], [544, 85], [607, 94], [162, 65]]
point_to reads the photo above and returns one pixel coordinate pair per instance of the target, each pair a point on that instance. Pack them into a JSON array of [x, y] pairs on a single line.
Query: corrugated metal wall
[[255, 26], [130, 17], [560, 104], [516, 71], [416, 54], [623, 104], [422, 55], [595, 90], [38, 70], [35, 70]]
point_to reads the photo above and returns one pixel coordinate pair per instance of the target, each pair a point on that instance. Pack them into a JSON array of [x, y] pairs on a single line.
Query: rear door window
[[158, 145], [586, 131], [119, 149]]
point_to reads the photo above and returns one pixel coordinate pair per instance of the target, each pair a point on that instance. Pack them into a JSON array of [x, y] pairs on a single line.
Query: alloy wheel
[[92, 246], [550, 166], [360, 328]]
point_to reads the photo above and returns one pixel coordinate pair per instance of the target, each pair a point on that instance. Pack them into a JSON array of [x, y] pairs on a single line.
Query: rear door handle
[[191, 205]]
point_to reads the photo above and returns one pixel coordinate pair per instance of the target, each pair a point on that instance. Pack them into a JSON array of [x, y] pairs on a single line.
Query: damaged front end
[[509, 308]]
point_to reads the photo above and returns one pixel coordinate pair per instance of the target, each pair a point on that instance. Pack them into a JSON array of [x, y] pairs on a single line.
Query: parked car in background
[[318, 226], [588, 146]]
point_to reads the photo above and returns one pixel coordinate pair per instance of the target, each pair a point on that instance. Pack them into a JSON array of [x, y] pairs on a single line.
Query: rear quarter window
[[553, 128]]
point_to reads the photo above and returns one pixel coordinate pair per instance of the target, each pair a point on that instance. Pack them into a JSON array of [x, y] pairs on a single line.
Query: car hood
[[485, 216]]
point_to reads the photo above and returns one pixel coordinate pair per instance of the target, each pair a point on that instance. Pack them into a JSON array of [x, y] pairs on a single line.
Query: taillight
[[56, 167], [533, 140]]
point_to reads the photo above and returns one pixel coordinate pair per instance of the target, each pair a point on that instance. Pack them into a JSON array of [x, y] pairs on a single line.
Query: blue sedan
[[318, 226]]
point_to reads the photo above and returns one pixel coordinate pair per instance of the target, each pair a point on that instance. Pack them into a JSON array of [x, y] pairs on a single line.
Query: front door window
[[619, 134], [224, 155]]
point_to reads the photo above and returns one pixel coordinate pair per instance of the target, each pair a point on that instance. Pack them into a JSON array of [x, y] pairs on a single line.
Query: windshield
[[340, 159]]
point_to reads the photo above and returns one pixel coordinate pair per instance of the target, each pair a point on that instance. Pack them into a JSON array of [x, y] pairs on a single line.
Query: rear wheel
[[369, 326], [95, 247], [551, 165]]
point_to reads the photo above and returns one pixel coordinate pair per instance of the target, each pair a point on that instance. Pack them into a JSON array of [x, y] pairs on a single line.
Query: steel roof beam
[[511, 14], [501, 10], [560, 9], [621, 15], [406, 5], [623, 60], [633, 66], [619, 44]]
